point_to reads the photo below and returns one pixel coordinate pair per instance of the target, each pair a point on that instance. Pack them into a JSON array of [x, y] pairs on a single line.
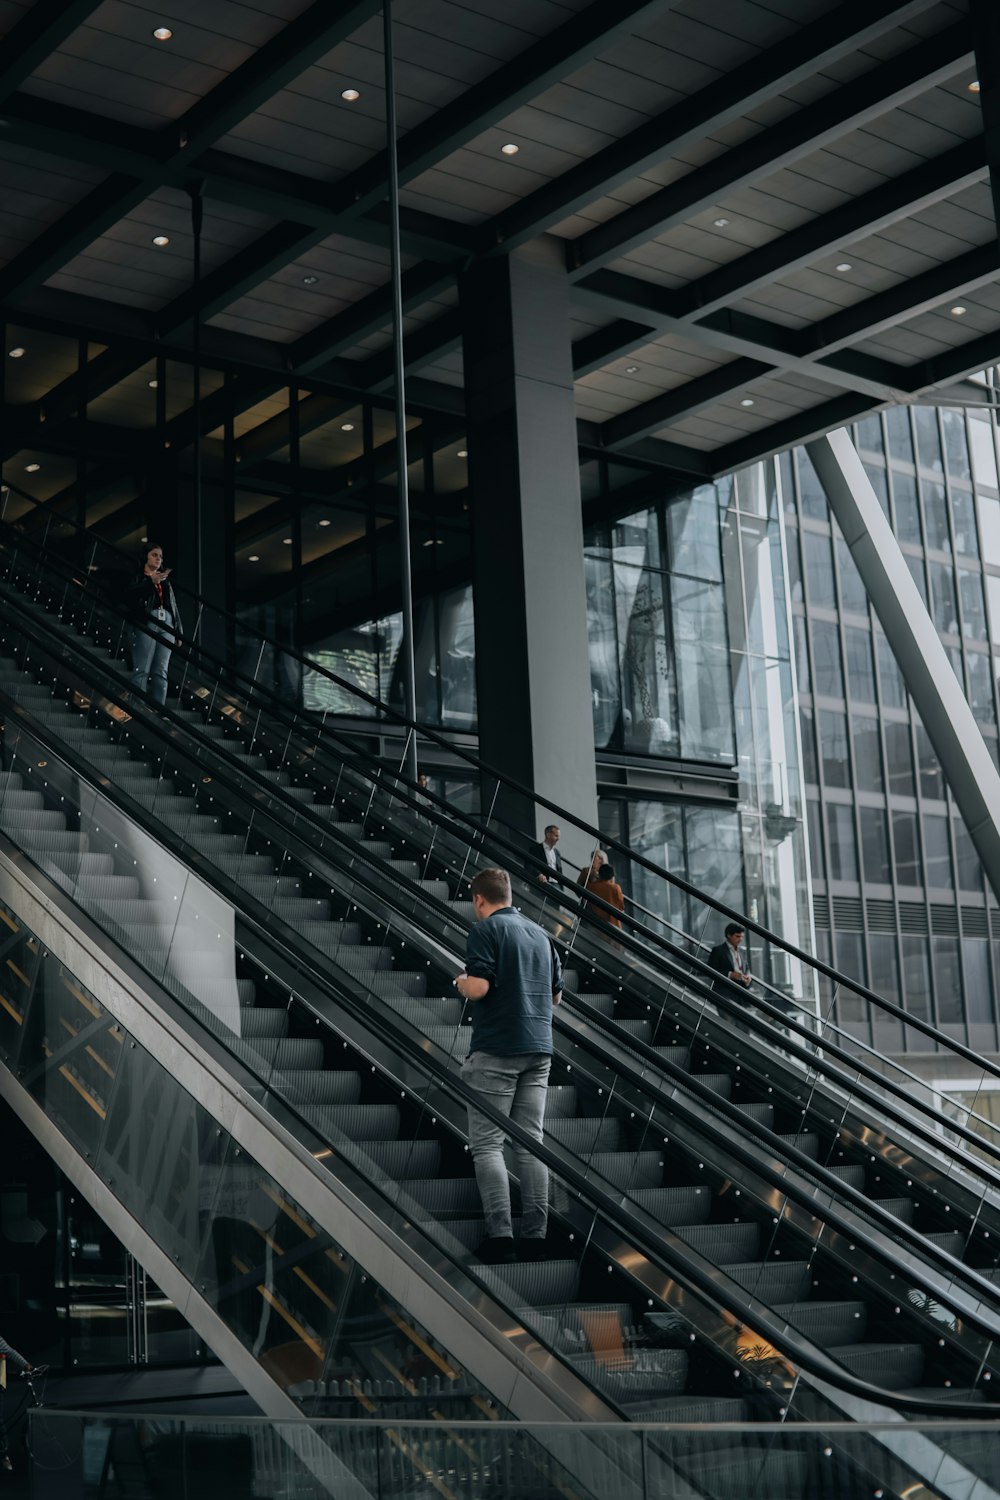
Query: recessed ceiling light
[[631, 369], [287, 541], [720, 223], [309, 280], [958, 311], [974, 86], [163, 33], [161, 239], [747, 401], [510, 149], [153, 384], [462, 453], [350, 95], [845, 265], [32, 468], [325, 521], [253, 557], [17, 353], [347, 426]]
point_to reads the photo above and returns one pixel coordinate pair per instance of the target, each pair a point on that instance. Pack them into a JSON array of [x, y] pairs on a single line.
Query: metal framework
[[807, 89]]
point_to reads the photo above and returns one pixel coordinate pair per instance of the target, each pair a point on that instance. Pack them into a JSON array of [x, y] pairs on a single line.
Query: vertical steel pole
[[403, 488], [196, 192]]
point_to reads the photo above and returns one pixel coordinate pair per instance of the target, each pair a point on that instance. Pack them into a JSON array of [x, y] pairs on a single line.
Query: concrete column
[[933, 686], [532, 659]]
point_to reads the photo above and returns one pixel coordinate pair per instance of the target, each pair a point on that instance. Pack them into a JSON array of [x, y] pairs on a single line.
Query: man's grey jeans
[[517, 1087]]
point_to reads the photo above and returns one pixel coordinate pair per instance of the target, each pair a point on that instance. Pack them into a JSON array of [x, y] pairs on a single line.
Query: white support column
[[933, 686]]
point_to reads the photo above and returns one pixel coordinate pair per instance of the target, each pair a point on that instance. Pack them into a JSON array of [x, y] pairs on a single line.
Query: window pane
[[819, 570], [794, 564], [963, 520], [693, 534], [928, 766], [900, 440], [984, 456], [980, 687], [916, 567], [457, 658], [869, 435], [833, 748], [885, 966], [704, 688], [937, 855], [605, 688], [936, 517], [646, 662], [867, 754], [947, 981], [852, 590], [928, 439], [989, 526], [809, 770], [829, 678], [816, 858], [968, 868], [955, 445], [843, 851], [890, 677], [916, 977], [787, 483], [993, 598], [899, 759], [875, 846], [943, 604], [976, 962], [879, 483], [812, 492], [907, 849], [904, 490], [801, 655], [860, 666], [973, 605]]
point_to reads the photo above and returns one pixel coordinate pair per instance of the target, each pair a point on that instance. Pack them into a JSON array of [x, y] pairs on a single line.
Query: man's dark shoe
[[532, 1250], [496, 1252]]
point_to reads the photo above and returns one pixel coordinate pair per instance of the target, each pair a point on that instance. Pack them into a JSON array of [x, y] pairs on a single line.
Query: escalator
[[319, 959]]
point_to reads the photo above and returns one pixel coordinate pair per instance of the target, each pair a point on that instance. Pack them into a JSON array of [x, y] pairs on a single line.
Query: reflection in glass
[[860, 666], [817, 858], [937, 854], [970, 587], [890, 677], [811, 490], [928, 439], [931, 775], [885, 965], [984, 455], [867, 754], [829, 679], [916, 977], [907, 848], [833, 748], [967, 865], [977, 666], [900, 438], [947, 980], [875, 846], [976, 963], [852, 591], [819, 570], [956, 447], [868, 435], [904, 492], [963, 520]]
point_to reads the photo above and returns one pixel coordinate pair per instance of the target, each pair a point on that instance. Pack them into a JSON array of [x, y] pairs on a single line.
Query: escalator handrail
[[952, 1267], [683, 961], [602, 840]]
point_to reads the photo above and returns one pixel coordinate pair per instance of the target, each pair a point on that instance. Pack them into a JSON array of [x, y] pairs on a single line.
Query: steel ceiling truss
[[703, 312]]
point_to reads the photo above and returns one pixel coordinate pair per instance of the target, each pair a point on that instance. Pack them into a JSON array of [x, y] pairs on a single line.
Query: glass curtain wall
[[900, 899]]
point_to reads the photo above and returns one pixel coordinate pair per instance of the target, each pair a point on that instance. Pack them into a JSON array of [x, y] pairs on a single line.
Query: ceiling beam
[[537, 68], [596, 350], [813, 127], [683, 401], [421, 284], [801, 428], [36, 36], [985, 20], [848, 27], [301, 43]]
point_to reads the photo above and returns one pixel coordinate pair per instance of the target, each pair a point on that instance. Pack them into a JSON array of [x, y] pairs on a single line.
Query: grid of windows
[[882, 824]]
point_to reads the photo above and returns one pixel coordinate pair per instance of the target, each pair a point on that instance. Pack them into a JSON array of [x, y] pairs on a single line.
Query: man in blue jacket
[[513, 977]]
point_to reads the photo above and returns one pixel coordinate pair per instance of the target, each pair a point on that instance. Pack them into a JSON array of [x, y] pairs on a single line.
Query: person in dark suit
[[729, 960], [551, 873]]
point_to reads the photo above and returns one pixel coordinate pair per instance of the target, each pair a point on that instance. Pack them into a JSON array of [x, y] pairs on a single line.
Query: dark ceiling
[[775, 216]]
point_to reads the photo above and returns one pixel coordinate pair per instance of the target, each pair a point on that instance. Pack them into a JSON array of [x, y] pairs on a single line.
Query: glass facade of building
[[899, 894]]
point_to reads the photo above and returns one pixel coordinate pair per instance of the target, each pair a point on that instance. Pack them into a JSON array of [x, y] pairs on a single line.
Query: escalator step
[[560, 1101], [454, 1040], [19, 821], [805, 1141], [360, 1123], [900, 1208], [585, 1136], [286, 1054], [679, 1056], [735, 1473], [719, 1083], [388, 985], [761, 1114], [537, 1283], [399, 1159], [826, 1323], [772, 1280], [421, 1012], [675, 1206], [22, 801], [638, 1375], [440, 1195], [891, 1366], [258, 1021], [951, 1241], [107, 888], [629, 1169], [723, 1242], [604, 1004], [853, 1176], [692, 1409], [322, 1086], [642, 1031]]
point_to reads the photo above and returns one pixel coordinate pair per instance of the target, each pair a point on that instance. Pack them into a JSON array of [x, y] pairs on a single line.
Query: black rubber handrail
[[942, 1042], [924, 1248], [678, 963], [925, 1028]]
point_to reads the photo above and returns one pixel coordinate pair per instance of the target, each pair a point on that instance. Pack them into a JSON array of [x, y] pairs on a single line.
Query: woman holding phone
[[158, 626]]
